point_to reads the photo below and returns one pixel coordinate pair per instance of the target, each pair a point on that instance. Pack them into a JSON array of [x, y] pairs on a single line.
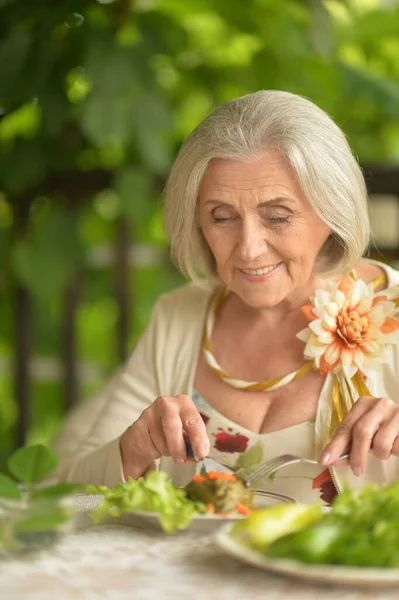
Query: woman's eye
[[278, 220], [221, 215], [220, 219]]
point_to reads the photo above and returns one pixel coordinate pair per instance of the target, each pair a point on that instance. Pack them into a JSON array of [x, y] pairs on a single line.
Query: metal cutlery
[[264, 471], [268, 468]]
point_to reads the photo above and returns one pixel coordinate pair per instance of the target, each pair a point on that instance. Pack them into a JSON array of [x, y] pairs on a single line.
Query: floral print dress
[[235, 446]]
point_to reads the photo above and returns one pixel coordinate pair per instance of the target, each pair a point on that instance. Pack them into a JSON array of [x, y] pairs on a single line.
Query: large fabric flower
[[349, 328]]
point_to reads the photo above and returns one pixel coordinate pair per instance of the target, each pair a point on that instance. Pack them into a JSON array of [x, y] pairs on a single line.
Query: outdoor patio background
[[96, 97]]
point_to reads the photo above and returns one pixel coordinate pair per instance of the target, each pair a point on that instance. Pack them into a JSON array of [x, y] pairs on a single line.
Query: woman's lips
[[261, 274]]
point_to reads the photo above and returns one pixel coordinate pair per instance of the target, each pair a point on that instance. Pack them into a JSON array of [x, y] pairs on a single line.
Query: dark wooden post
[[122, 286], [382, 179], [23, 335], [69, 341]]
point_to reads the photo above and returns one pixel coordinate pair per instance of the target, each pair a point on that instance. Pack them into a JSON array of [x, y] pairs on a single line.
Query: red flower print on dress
[[324, 483], [204, 418], [228, 442]]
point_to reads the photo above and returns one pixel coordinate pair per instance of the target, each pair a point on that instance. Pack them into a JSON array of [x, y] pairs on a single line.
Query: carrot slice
[[221, 475], [242, 509], [199, 478], [210, 507]]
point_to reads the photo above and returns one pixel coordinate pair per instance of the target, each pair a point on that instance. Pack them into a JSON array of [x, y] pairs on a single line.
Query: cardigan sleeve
[[88, 443]]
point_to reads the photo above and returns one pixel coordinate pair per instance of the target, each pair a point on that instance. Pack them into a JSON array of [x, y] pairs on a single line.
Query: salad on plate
[[209, 495], [362, 530]]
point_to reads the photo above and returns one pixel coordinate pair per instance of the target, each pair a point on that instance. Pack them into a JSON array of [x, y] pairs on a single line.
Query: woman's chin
[[260, 299]]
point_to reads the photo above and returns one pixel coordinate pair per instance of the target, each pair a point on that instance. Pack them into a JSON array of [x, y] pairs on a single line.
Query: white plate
[[208, 523], [342, 575]]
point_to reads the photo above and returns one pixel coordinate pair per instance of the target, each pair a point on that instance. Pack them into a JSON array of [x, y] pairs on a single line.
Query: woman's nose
[[251, 242]]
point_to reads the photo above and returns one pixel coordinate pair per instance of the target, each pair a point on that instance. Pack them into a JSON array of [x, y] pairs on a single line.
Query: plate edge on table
[[337, 574]]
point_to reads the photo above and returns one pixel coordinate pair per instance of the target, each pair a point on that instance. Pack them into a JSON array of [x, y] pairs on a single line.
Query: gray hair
[[309, 141]]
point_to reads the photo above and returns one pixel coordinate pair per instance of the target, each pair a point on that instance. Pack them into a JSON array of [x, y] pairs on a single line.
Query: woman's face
[[262, 231]]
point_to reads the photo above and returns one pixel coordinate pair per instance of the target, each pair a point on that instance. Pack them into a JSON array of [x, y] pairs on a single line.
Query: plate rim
[[325, 573]]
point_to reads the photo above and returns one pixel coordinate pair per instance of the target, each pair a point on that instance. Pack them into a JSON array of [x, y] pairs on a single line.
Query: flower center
[[352, 327]]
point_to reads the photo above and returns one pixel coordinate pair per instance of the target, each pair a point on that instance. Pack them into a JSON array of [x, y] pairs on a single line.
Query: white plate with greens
[[156, 501], [324, 573], [356, 544], [207, 523]]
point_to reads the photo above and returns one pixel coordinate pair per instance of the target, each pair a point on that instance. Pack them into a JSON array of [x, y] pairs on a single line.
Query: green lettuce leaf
[[362, 530], [155, 493]]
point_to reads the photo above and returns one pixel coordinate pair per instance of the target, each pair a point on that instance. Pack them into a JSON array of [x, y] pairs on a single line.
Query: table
[[122, 562]]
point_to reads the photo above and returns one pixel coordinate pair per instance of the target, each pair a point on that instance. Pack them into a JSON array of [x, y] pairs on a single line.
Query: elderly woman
[[266, 209]]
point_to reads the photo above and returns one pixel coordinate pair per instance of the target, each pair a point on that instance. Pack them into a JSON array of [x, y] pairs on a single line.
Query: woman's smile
[[260, 274]]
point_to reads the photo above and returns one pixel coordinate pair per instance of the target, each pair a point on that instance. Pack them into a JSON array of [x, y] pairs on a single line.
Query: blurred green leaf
[[250, 459], [135, 189], [42, 522], [55, 110], [154, 122], [32, 463], [380, 91], [55, 491], [22, 165], [45, 260], [108, 119], [109, 66], [9, 488], [23, 122], [14, 50]]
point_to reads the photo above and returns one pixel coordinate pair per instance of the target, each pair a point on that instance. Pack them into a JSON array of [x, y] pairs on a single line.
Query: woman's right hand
[[161, 430]]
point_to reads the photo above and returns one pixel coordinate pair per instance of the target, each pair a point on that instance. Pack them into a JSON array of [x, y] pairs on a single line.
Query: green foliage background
[[96, 98]]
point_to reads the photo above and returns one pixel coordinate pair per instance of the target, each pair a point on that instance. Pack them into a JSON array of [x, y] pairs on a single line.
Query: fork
[[265, 470], [268, 468]]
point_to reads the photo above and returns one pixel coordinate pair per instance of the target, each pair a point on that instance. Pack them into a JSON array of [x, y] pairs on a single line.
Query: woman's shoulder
[[189, 296], [375, 271]]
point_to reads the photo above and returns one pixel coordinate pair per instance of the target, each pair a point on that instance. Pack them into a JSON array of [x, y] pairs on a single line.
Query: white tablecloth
[[120, 562]]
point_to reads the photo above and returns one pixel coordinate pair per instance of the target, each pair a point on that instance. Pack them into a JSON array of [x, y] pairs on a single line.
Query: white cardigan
[[164, 363]]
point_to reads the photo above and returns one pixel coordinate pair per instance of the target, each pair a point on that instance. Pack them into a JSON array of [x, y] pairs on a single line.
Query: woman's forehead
[[266, 170]]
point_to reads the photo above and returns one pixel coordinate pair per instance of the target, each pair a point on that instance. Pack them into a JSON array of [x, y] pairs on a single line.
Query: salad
[[362, 530], [211, 493]]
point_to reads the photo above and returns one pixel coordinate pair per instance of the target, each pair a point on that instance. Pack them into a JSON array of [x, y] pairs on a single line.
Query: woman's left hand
[[371, 424]]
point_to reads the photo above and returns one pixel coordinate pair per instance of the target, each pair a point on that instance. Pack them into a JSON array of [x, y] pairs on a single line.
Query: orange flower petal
[[332, 353], [345, 285], [325, 367], [378, 299], [389, 325]]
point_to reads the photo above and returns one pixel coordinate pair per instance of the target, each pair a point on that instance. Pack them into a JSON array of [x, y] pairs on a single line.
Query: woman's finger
[[365, 430], [140, 442], [342, 437], [173, 430], [194, 426], [384, 440], [137, 449], [158, 440], [362, 437]]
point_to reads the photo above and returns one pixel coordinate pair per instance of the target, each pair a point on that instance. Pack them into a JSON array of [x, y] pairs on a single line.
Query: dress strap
[[382, 279]]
